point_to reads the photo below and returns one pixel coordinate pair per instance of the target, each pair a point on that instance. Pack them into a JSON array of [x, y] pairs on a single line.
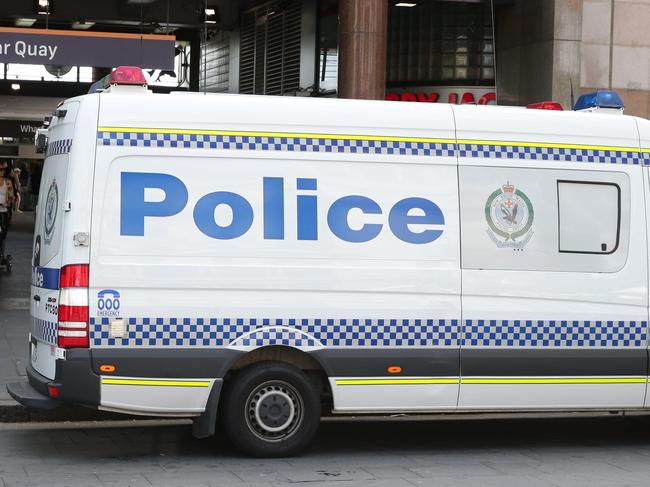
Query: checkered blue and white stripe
[[275, 143], [44, 330], [370, 333], [289, 337], [57, 147], [330, 144], [559, 154], [222, 332], [646, 158], [555, 334]]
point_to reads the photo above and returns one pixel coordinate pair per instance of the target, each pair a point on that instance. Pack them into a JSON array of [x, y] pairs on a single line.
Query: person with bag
[[7, 198]]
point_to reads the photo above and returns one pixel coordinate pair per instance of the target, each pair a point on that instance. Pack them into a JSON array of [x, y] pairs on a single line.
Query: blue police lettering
[[242, 215], [274, 208], [337, 218], [307, 210], [399, 220], [134, 208], [409, 219], [37, 277]]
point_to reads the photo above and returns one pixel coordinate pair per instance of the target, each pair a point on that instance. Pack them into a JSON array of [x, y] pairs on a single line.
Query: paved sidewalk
[[14, 305], [611, 452]]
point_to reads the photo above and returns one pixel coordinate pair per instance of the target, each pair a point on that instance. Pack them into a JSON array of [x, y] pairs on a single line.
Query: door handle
[[37, 297]]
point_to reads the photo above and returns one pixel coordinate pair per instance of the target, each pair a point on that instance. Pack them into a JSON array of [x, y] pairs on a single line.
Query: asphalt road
[[609, 451]]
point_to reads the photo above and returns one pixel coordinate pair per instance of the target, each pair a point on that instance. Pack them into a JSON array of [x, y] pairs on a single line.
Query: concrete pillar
[[362, 49], [566, 51]]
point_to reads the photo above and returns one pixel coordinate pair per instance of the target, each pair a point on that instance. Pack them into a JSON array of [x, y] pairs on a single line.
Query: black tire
[[271, 409]]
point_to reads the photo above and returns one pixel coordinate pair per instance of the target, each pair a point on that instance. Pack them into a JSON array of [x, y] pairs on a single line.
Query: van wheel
[[271, 410]]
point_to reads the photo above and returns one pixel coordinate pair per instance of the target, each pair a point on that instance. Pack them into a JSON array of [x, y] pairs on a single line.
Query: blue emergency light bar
[[599, 99]]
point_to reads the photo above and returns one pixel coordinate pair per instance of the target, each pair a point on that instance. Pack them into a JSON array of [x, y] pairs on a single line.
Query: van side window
[[589, 217], [524, 219]]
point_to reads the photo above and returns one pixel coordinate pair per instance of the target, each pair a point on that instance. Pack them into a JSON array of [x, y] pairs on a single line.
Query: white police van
[[271, 257]]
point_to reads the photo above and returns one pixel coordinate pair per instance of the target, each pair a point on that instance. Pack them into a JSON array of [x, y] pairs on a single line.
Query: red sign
[[466, 98]]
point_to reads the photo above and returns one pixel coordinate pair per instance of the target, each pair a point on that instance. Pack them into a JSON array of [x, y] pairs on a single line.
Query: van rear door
[[48, 239]]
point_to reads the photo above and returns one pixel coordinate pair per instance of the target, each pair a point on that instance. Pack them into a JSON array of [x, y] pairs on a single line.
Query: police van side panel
[[63, 210], [554, 253], [238, 226]]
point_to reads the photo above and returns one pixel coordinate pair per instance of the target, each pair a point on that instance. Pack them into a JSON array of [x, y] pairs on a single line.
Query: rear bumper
[[28, 396], [74, 378]]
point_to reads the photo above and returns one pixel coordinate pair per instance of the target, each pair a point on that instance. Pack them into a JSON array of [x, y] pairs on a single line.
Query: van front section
[[59, 368]]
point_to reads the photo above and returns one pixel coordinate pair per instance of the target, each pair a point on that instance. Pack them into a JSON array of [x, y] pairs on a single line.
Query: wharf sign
[[96, 49], [444, 94], [19, 129]]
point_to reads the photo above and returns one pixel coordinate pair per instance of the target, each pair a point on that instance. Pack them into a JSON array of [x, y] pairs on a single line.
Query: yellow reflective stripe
[[152, 382], [548, 145], [493, 380], [554, 380], [274, 134], [396, 381], [301, 135]]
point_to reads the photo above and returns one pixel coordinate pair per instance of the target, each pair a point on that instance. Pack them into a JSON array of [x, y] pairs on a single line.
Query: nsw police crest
[[51, 209], [509, 214]]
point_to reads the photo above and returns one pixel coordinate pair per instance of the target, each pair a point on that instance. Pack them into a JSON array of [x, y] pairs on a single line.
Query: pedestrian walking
[[17, 186], [7, 199]]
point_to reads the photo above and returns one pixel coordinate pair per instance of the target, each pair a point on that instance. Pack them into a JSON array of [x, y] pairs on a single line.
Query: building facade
[[510, 52]]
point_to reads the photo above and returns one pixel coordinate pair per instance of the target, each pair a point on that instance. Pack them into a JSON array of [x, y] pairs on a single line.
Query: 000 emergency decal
[[108, 303]]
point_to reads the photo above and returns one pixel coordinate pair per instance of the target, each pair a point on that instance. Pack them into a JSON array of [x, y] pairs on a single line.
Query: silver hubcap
[[274, 411]]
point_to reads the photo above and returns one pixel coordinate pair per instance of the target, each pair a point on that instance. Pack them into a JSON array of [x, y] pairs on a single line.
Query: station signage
[[444, 94], [75, 48], [19, 129]]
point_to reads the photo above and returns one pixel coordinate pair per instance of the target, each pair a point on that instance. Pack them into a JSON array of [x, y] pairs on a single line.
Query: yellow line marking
[[646, 151], [556, 380], [494, 380], [548, 145], [298, 135], [383, 382], [148, 382]]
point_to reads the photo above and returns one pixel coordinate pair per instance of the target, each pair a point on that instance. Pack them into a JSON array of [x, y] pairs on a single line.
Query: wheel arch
[[205, 424], [300, 359]]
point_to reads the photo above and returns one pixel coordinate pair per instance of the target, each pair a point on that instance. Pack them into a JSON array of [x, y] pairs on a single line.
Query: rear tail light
[[73, 307], [74, 276], [53, 391]]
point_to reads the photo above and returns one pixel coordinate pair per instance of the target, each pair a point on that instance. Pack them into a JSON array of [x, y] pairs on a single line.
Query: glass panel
[[439, 42], [589, 217], [38, 72]]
